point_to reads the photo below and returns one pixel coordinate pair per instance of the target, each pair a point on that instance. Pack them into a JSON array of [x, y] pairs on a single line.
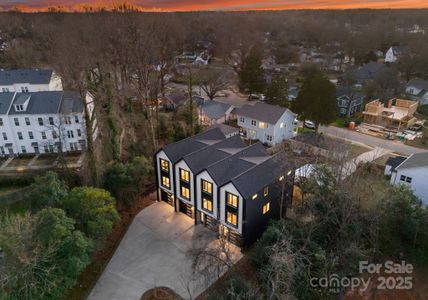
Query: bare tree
[[212, 83]]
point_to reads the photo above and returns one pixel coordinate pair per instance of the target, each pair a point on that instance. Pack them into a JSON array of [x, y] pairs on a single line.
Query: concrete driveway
[[154, 253]]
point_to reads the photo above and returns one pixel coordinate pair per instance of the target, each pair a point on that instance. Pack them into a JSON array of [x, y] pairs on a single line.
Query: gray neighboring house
[[212, 112], [173, 101], [411, 172], [349, 102], [394, 53], [417, 89], [367, 72], [270, 124]]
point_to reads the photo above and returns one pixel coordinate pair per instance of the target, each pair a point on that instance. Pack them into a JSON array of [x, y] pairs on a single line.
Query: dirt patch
[[20, 162], [161, 293], [100, 259]]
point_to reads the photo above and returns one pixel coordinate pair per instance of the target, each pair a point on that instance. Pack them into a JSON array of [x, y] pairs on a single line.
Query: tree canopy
[[317, 100], [277, 91]]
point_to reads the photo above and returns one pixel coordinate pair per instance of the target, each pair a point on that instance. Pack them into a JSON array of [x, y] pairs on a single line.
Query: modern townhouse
[[29, 80], [223, 184], [43, 122], [270, 124]]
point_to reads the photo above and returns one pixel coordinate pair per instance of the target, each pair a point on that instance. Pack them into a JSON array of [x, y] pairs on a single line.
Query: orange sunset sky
[[186, 5]]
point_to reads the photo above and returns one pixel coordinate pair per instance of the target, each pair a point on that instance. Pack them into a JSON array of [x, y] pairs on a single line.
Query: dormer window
[[24, 89], [19, 107]]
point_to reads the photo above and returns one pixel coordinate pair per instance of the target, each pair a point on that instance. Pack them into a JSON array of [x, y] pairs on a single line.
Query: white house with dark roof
[[394, 53], [412, 172], [43, 122], [29, 80], [270, 124], [223, 184], [417, 89]]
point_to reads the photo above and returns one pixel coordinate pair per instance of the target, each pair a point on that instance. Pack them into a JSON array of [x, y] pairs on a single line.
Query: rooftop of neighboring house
[[178, 98], [225, 129], [349, 93], [47, 102], [394, 162], [369, 70], [31, 76], [420, 84], [416, 160], [398, 50], [262, 112], [215, 110], [5, 101], [176, 151]]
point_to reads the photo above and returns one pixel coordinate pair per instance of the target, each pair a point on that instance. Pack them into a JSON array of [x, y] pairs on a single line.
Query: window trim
[[205, 200], [232, 197], [209, 184], [231, 214], [162, 165], [164, 181], [183, 171], [181, 192]]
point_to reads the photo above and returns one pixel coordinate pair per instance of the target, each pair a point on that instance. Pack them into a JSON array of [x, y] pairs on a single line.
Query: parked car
[[309, 124], [260, 97]]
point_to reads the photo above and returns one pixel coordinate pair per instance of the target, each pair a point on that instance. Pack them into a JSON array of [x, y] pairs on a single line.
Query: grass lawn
[[339, 122], [356, 150], [304, 130]]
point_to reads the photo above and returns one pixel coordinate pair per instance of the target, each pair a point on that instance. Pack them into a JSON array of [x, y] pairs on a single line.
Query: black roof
[[189, 145], [199, 160], [9, 77], [394, 162], [261, 175], [230, 167]]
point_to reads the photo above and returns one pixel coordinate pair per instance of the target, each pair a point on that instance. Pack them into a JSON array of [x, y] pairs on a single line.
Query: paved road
[[371, 141], [154, 253]]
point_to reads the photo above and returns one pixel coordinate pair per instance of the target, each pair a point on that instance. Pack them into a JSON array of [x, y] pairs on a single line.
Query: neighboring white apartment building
[[31, 80], [412, 172], [42, 122], [267, 123]]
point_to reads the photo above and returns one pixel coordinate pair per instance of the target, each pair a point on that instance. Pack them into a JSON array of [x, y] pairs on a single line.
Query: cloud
[[184, 5]]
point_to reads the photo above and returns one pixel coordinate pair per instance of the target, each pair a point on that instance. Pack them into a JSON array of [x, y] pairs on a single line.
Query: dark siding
[[255, 222]]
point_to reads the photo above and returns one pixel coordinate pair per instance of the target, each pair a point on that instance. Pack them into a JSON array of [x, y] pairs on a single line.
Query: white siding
[[182, 165], [162, 155], [231, 189], [274, 131], [205, 176], [419, 182]]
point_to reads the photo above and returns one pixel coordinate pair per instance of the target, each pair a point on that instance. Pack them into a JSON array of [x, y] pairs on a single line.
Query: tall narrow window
[[232, 218], [27, 121], [20, 135], [30, 135], [164, 165], [266, 208], [207, 187], [16, 120], [43, 135], [266, 191], [185, 175], [40, 120], [232, 200], [185, 192], [51, 121], [207, 204], [165, 182], [1, 122]]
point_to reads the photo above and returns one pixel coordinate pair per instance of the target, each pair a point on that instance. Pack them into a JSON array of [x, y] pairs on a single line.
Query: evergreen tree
[[277, 92], [317, 100], [252, 75]]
